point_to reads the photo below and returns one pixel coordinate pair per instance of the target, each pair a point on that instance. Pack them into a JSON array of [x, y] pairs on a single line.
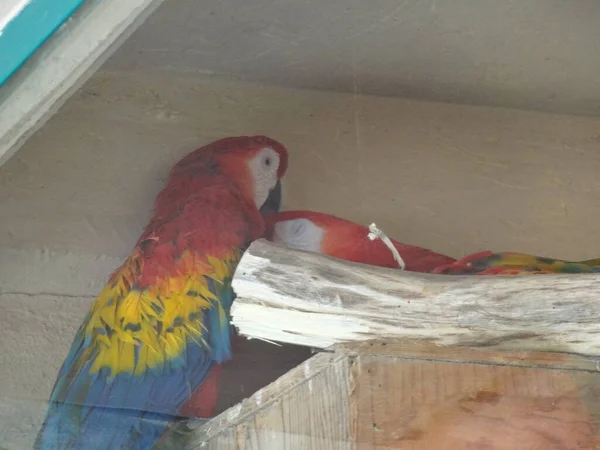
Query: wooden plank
[[308, 299], [418, 405], [398, 395], [414, 349], [66, 60], [305, 409]]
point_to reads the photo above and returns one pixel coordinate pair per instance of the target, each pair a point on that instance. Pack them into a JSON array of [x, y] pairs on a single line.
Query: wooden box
[[414, 396]]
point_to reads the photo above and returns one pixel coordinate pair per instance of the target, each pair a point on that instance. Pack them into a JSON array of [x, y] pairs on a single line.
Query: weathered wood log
[[303, 298]]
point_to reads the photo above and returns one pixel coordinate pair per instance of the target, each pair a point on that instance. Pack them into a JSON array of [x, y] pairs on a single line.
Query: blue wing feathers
[[220, 332], [127, 412]]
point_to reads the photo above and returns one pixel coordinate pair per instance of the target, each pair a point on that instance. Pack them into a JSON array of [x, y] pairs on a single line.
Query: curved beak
[[273, 201]]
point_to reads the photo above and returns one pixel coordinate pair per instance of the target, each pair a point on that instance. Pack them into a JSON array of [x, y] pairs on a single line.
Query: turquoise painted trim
[[23, 35]]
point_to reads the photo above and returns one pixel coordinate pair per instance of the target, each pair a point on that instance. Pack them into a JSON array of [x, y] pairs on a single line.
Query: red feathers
[[225, 159], [340, 238], [203, 401], [201, 183], [157, 329]]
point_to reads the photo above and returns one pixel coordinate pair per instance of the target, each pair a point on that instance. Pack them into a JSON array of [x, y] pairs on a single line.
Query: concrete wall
[[537, 54], [453, 178]]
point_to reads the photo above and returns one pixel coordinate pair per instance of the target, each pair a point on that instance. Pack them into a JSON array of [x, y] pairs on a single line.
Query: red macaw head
[[255, 163]]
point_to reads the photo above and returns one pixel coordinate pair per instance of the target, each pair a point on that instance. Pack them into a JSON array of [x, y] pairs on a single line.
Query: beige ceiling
[[534, 54]]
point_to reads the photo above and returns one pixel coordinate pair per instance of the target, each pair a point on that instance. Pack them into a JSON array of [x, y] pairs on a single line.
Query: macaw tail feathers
[[510, 263], [114, 430]]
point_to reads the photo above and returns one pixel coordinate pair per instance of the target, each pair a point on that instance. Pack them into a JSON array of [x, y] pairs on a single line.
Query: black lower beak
[[273, 201]]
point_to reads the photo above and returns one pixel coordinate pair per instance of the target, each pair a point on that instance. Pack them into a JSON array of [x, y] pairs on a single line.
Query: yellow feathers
[[155, 322]]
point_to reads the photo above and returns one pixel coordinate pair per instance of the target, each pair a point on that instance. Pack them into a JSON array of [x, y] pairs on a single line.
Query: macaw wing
[[142, 351]]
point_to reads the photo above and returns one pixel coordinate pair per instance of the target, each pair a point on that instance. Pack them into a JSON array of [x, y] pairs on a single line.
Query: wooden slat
[[414, 349], [305, 409], [415, 396], [418, 405], [308, 299]]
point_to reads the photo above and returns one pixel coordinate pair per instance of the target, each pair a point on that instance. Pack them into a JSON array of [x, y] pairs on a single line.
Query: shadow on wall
[[256, 364]]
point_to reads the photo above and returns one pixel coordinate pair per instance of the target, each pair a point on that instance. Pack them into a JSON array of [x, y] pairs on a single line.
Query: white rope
[[376, 233]]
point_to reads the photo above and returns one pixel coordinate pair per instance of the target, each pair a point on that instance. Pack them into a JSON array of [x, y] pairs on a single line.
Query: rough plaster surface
[[36, 332], [457, 179], [537, 54]]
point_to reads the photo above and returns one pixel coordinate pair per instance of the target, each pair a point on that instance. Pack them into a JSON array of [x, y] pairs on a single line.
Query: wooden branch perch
[[302, 298]]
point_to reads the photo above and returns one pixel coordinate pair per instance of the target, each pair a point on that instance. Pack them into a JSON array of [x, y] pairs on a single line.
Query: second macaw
[[329, 235]]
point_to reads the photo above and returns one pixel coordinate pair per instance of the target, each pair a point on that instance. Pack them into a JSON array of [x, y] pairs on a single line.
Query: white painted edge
[[63, 64]]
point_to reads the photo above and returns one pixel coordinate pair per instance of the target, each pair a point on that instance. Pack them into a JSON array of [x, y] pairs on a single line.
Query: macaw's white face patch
[[264, 167], [299, 234]]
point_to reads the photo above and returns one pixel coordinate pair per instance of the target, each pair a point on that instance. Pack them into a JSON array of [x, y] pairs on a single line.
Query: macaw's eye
[[299, 227], [268, 161]]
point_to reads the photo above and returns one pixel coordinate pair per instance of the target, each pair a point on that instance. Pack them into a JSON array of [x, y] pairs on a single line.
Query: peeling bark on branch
[[302, 298]]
